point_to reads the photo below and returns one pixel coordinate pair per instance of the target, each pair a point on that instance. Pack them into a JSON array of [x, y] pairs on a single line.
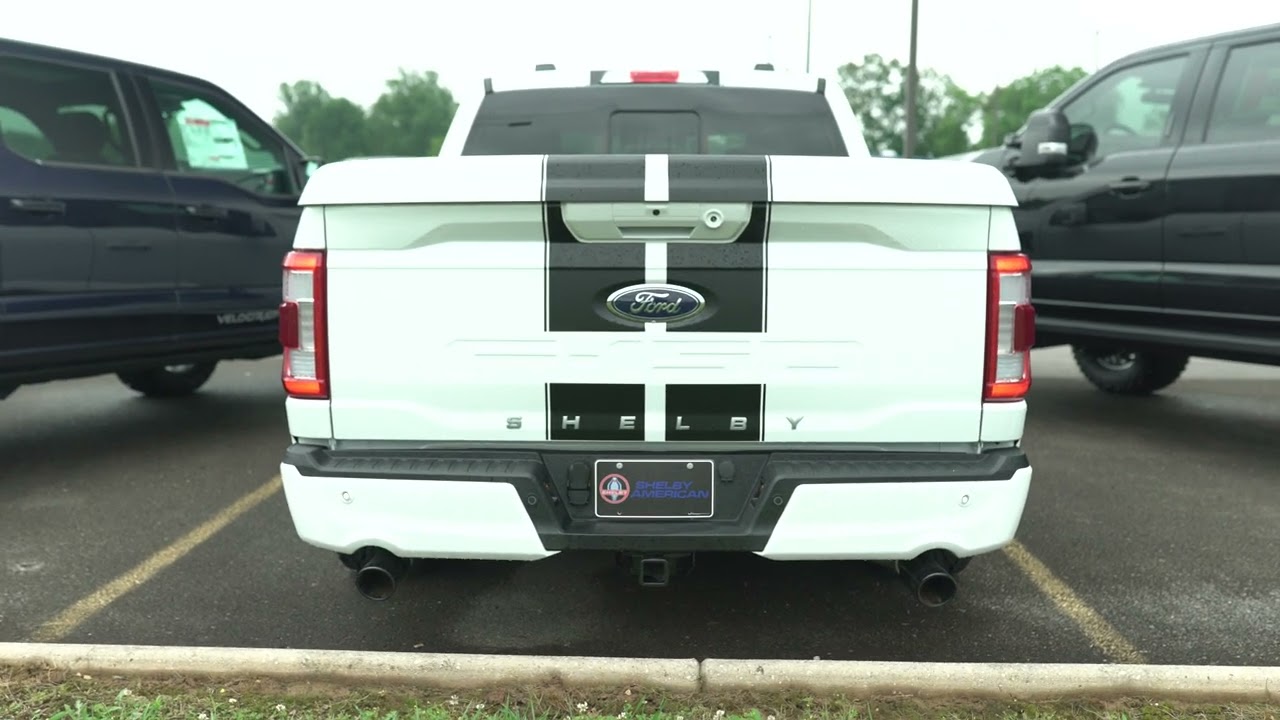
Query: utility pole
[[808, 36], [909, 142]]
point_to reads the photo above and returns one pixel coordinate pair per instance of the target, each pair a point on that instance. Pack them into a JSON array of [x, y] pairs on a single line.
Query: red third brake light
[[655, 76], [1011, 328], [304, 327]]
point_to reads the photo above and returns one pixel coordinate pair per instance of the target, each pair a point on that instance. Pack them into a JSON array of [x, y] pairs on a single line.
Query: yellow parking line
[[1104, 637], [71, 618]]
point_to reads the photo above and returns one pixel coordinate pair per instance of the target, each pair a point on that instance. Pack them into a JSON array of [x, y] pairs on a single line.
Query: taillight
[[303, 326], [1011, 327]]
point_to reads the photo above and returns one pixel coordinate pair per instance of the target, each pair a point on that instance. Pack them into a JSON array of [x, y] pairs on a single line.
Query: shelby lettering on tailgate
[[656, 286]]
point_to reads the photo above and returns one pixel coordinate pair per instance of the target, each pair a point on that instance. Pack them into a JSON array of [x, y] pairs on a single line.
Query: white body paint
[[876, 297]]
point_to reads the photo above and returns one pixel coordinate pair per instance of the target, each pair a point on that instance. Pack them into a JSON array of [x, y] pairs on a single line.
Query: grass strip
[[55, 695]]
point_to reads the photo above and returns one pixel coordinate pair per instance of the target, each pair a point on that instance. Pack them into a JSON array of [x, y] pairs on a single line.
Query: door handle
[[38, 207], [1201, 232], [1129, 186], [205, 212], [129, 247]]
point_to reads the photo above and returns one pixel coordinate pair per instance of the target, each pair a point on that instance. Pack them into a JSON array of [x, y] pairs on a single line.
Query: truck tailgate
[[658, 298]]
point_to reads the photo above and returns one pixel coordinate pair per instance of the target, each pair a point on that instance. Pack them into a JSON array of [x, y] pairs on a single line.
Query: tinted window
[[1130, 109], [210, 136], [1247, 106], [655, 119], [58, 113]]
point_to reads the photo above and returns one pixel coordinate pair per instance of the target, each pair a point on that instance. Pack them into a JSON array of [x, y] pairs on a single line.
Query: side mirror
[[310, 165], [1045, 142], [1084, 142]]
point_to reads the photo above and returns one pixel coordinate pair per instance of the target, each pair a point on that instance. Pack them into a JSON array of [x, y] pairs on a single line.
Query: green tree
[[412, 115], [1006, 108], [876, 89], [333, 128]]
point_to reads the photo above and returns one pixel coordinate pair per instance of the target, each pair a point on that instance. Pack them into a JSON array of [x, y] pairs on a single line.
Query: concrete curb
[[998, 680], [342, 666], [823, 677]]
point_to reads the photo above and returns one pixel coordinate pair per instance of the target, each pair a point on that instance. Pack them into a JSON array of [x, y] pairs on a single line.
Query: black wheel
[[168, 380], [1128, 372]]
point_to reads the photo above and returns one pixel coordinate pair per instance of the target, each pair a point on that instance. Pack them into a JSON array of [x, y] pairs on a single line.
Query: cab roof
[[1245, 33], [762, 76], [53, 53]]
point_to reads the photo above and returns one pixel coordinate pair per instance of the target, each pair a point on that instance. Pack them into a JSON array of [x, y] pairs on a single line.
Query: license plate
[[655, 489]]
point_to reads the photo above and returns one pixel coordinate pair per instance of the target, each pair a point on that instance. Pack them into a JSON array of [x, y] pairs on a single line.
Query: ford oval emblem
[[655, 302]]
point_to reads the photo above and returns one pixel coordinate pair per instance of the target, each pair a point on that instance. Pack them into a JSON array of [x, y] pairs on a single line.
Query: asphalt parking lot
[[1150, 535]]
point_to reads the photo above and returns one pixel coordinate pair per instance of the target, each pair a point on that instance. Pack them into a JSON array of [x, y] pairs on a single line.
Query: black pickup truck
[[1150, 206], [144, 216]]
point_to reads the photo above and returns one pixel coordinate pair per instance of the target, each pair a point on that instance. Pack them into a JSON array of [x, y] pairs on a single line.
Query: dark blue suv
[[144, 216]]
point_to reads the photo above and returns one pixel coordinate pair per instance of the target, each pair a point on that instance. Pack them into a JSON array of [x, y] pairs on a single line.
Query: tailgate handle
[[711, 222], [656, 232]]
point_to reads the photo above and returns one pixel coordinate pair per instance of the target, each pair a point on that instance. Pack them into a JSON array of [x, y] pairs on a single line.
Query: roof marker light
[[655, 76], [626, 77]]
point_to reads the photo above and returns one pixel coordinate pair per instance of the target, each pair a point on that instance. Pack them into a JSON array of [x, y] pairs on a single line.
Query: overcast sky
[[250, 46]]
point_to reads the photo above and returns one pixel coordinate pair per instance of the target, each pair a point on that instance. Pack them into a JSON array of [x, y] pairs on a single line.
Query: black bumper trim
[[753, 487]]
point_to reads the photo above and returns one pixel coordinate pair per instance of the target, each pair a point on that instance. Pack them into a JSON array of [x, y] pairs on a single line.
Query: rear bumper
[[519, 505]]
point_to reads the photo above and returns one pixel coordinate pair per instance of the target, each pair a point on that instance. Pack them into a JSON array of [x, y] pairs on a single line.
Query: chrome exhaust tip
[[929, 579], [379, 574]]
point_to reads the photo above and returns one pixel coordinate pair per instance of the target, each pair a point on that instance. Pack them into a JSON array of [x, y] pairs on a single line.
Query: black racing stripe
[[580, 275], [722, 413], [591, 411], [595, 178], [731, 277], [718, 178]]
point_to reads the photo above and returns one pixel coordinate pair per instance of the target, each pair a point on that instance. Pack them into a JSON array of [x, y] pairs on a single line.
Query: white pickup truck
[[657, 313]]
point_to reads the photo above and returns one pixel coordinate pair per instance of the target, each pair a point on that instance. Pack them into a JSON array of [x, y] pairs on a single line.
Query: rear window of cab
[[671, 119]]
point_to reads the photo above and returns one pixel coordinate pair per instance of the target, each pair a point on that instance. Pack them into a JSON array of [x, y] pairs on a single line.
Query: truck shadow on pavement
[[731, 605], [75, 437], [1238, 417]]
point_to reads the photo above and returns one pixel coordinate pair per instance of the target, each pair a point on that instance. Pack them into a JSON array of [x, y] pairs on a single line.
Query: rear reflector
[[1011, 328], [303, 327]]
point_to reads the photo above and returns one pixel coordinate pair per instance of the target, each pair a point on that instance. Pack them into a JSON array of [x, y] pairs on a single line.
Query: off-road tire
[[169, 380], [1122, 372]]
